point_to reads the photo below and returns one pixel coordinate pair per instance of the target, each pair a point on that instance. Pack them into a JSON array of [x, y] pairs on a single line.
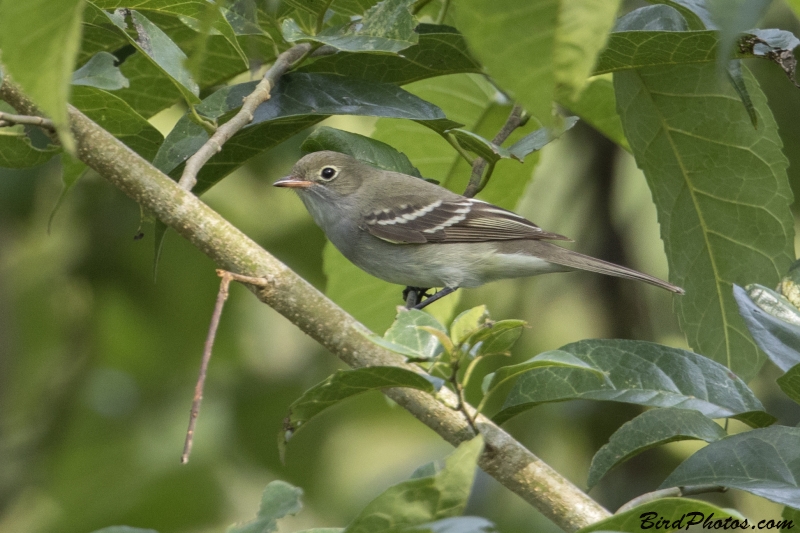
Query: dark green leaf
[[481, 147], [419, 501], [299, 100], [645, 516], [405, 336], [737, 80], [635, 49], [441, 50], [101, 72], [638, 372], [648, 430], [386, 27], [597, 106], [150, 91], [376, 153], [721, 192], [16, 151], [119, 119], [764, 462], [779, 339], [695, 12], [792, 516], [345, 384], [39, 40], [790, 383], [537, 140], [505, 374], [156, 45], [278, 500]]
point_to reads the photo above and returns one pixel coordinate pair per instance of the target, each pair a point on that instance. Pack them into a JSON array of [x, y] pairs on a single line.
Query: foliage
[[666, 82]]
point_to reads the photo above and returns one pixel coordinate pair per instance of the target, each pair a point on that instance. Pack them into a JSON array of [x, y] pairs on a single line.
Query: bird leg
[[414, 295], [441, 294]]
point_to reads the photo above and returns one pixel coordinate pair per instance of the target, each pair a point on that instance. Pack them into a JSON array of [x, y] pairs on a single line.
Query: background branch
[[8, 119], [504, 458], [476, 181]]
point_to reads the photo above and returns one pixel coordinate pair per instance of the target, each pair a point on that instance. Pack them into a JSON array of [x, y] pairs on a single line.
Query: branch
[[245, 115], [7, 119], [476, 180], [503, 458]]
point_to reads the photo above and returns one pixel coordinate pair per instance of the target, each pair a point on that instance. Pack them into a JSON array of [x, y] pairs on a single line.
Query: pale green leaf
[[101, 72], [278, 500], [683, 512]]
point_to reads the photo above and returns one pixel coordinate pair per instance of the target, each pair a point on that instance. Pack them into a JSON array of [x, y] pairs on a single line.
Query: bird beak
[[293, 182]]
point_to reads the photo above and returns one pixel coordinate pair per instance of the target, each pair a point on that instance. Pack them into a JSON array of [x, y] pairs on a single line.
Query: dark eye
[[328, 173]]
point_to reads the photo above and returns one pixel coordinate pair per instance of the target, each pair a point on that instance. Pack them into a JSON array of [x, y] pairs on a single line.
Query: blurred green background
[[98, 360]]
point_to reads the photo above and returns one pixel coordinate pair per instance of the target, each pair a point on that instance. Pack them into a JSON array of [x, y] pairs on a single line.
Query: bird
[[408, 231]]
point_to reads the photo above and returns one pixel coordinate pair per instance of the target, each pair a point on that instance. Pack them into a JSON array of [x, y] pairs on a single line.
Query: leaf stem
[[477, 180], [443, 12]]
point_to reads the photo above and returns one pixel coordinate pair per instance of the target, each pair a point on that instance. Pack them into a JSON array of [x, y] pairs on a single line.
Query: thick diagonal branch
[[245, 115], [504, 458]]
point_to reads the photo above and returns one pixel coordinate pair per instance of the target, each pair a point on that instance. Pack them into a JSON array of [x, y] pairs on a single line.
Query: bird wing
[[443, 221]]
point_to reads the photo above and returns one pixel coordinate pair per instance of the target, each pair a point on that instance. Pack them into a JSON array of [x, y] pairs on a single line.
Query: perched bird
[[408, 231]]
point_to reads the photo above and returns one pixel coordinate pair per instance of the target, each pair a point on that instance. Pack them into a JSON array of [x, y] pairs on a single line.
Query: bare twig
[[476, 181], [222, 296], [245, 115], [503, 457], [7, 119], [672, 492]]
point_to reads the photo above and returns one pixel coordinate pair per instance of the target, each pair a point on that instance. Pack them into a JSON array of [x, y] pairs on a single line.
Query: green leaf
[[792, 516], [124, 529], [652, 18], [418, 501], [194, 11], [467, 323], [16, 151], [648, 430], [533, 142], [764, 462], [405, 336], [386, 27], [39, 40], [779, 339], [441, 50], [479, 146], [278, 500], [497, 339], [491, 382], [156, 45], [679, 513], [500, 32], [737, 80], [456, 524], [119, 119], [635, 49], [345, 384], [71, 170], [732, 18], [582, 31], [790, 383], [642, 373], [597, 106], [101, 72], [150, 90], [721, 192], [298, 100], [370, 151]]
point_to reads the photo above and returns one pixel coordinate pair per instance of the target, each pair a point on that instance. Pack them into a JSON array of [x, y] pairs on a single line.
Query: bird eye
[[328, 173]]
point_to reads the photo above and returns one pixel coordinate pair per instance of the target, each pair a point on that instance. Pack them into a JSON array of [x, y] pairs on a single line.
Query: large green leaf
[[597, 106], [150, 90], [418, 501], [39, 40], [197, 11], [406, 335], [765, 462], [672, 514], [299, 100], [278, 500], [722, 196], [648, 430], [441, 50], [583, 27], [779, 339], [639, 372], [790, 383], [119, 119], [516, 41], [101, 72]]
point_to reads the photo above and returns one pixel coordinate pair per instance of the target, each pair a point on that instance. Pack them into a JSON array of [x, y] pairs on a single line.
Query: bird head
[[329, 173]]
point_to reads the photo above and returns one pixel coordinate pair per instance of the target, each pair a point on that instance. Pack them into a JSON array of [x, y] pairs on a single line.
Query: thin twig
[[461, 404], [476, 181], [672, 492], [8, 119], [245, 115], [443, 12], [222, 295]]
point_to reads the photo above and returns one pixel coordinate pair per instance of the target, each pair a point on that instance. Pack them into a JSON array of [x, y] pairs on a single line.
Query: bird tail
[[574, 260]]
